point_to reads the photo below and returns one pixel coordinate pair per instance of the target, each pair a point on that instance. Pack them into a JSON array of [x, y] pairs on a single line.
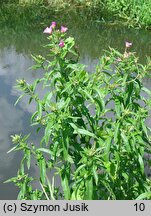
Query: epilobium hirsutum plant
[[95, 135]]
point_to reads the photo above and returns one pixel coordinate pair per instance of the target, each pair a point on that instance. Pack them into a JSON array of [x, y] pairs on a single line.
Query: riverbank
[[33, 14]]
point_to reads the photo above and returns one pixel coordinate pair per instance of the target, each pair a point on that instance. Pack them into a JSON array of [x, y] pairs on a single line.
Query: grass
[[135, 13]]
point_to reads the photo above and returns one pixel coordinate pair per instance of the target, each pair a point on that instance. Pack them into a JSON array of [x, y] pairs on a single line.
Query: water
[[16, 48]]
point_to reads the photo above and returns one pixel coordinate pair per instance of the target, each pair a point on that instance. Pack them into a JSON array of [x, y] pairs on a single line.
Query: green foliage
[[95, 135], [133, 12]]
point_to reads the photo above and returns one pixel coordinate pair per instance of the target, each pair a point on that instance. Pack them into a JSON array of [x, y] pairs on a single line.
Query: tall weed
[[95, 136]]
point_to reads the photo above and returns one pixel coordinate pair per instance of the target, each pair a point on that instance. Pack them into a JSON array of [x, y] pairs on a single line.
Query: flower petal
[[63, 29], [48, 30], [128, 44], [61, 44], [53, 24]]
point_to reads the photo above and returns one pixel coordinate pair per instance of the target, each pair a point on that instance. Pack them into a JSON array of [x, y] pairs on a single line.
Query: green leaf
[[47, 98], [55, 150], [129, 92], [86, 132], [110, 189], [146, 195], [102, 103], [45, 150], [141, 162], [126, 142], [27, 152], [87, 94], [79, 168], [65, 184], [34, 116], [13, 149], [42, 167], [48, 131], [89, 188], [30, 100], [39, 109], [67, 87], [35, 84], [112, 169], [82, 131], [76, 67], [70, 159], [117, 107], [19, 99], [107, 148], [117, 132], [95, 174], [100, 106], [77, 195], [13, 179], [144, 128]]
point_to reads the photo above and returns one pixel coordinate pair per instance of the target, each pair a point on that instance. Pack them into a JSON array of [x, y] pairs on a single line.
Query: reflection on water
[[15, 59]]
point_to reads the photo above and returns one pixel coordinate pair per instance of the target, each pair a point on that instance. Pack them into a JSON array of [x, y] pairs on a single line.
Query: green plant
[[133, 12], [95, 135]]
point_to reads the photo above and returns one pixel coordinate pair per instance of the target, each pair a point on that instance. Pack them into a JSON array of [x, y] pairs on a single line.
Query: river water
[[16, 47]]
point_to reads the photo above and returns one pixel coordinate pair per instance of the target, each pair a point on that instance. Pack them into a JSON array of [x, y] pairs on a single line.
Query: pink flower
[[63, 29], [48, 30], [128, 44], [61, 44], [53, 24]]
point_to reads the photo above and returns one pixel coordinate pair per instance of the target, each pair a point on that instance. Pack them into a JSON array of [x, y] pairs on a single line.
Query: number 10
[[140, 206]]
